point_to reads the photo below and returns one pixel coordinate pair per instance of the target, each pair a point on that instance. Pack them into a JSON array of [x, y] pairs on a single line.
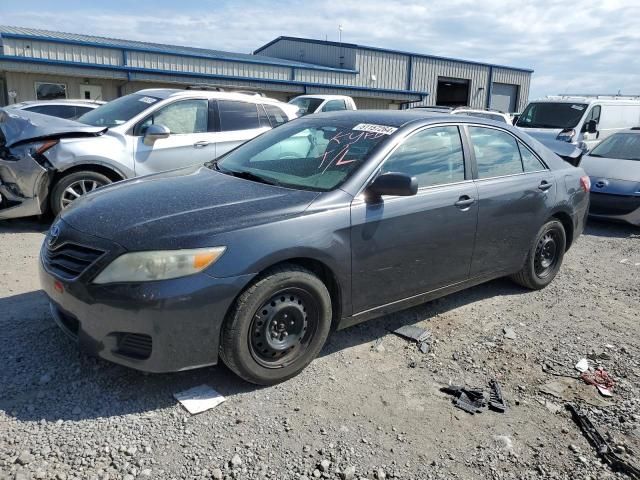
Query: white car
[[146, 132], [486, 114], [61, 108], [307, 104]]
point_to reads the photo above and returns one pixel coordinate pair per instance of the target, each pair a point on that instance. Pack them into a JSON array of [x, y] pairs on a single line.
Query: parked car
[[583, 121], [433, 108], [322, 223], [69, 109], [322, 103], [614, 169], [488, 114], [55, 161]]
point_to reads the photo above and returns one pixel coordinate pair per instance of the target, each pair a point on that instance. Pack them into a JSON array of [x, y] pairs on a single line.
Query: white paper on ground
[[604, 391], [199, 399], [582, 365]]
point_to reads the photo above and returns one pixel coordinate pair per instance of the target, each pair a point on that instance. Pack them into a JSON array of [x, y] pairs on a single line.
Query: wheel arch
[[112, 173], [564, 218]]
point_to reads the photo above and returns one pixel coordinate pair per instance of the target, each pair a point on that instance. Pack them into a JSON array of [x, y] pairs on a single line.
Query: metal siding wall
[[515, 77], [61, 52], [389, 69], [176, 63], [327, 55], [426, 71]]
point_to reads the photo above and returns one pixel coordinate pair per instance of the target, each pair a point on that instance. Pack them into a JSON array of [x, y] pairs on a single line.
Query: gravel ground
[[369, 407]]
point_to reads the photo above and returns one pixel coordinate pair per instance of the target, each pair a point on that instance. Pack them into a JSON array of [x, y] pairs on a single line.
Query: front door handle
[[200, 144], [465, 201], [544, 185]]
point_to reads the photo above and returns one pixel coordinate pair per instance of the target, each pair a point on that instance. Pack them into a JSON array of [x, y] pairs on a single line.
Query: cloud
[[592, 48]]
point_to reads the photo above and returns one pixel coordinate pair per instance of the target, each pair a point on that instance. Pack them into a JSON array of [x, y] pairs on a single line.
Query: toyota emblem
[[54, 233]]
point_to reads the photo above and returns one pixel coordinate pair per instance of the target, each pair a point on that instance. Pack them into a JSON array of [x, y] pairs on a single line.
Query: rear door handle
[[201, 144], [465, 201], [544, 185]]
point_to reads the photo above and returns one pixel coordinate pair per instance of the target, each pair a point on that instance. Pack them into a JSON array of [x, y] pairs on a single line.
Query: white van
[[581, 120]]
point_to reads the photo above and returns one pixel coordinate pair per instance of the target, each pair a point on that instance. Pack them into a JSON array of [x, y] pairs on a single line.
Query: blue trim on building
[[386, 50], [128, 69], [231, 58]]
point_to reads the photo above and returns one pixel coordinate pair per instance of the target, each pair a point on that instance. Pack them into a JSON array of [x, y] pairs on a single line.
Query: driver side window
[[594, 114], [183, 117]]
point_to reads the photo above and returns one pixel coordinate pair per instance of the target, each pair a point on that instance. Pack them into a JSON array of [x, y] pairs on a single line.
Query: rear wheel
[[544, 258], [277, 326], [73, 186]]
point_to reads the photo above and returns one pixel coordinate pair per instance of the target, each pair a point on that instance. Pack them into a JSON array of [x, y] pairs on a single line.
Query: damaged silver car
[[26, 172], [47, 163]]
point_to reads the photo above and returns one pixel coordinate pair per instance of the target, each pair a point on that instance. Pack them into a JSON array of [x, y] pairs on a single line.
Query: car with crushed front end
[[614, 169], [319, 224]]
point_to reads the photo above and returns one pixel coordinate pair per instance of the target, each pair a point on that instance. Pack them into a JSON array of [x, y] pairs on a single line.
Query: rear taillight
[[46, 145], [585, 183]]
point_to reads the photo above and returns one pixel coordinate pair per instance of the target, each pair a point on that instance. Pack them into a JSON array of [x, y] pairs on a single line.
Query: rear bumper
[[161, 326]]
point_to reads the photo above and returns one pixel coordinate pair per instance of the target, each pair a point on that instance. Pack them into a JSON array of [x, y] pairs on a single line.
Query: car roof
[[324, 97], [60, 101], [165, 93], [477, 110], [399, 118]]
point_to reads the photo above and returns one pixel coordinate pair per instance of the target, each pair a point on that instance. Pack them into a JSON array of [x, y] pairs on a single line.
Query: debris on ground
[[496, 401], [199, 399], [416, 334], [474, 400], [583, 365], [568, 390], [509, 333], [601, 446], [601, 379]]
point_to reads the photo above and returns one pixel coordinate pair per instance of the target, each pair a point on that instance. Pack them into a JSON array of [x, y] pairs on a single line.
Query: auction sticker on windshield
[[148, 100], [370, 127]]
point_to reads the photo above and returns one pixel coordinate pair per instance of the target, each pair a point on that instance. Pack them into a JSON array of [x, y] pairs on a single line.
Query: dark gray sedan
[[319, 224]]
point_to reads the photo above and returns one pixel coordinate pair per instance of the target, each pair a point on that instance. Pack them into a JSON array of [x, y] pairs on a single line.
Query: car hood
[[182, 208], [612, 168], [542, 134], [19, 126]]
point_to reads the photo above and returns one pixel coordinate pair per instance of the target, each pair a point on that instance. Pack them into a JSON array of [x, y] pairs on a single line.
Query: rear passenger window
[[60, 111], [237, 115], [496, 152], [434, 156], [276, 115], [530, 162]]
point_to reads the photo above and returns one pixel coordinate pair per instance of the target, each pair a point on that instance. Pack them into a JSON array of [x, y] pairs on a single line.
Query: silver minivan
[[146, 132]]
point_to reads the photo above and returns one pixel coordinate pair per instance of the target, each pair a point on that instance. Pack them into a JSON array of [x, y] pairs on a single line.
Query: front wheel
[[73, 186], [277, 326], [544, 258]]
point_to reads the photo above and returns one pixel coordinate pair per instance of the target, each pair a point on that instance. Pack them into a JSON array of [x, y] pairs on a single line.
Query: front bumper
[[24, 184], [624, 208], [161, 326]]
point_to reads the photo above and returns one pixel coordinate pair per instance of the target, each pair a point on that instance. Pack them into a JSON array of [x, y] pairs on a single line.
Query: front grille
[[70, 260], [606, 204], [135, 345]]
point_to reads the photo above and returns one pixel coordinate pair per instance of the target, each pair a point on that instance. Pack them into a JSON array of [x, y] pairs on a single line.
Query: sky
[[574, 47]]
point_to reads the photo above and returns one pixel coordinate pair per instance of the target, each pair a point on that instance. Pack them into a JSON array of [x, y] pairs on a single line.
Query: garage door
[[504, 97]]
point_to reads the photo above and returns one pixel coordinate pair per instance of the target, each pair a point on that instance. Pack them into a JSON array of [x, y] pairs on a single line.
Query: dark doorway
[[3, 93], [452, 92]]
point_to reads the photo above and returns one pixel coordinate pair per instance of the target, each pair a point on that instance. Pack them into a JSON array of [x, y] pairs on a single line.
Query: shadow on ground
[[602, 228], [44, 376], [25, 225]]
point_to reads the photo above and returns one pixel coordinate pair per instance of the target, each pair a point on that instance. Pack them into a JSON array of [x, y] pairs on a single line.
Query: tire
[[544, 257], [257, 345], [74, 181]]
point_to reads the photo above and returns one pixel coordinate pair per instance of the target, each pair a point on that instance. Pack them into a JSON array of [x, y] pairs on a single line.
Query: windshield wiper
[[251, 176]]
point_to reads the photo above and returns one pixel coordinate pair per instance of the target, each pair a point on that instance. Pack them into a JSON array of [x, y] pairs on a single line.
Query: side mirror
[[397, 184], [155, 132], [591, 126]]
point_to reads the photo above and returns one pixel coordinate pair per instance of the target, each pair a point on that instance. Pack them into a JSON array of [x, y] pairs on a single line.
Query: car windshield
[[306, 105], [624, 146], [118, 111], [551, 115], [305, 154]]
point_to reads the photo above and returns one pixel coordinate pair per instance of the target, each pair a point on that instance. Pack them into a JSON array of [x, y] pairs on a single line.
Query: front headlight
[[158, 265]]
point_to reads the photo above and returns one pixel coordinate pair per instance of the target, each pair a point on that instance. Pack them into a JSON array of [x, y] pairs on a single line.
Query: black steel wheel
[[544, 257], [283, 327], [277, 326]]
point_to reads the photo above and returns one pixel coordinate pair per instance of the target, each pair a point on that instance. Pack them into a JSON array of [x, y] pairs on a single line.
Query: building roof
[[386, 50], [107, 42]]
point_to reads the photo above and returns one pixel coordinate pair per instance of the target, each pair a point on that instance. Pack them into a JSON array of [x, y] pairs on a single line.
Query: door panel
[[511, 211], [403, 246]]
